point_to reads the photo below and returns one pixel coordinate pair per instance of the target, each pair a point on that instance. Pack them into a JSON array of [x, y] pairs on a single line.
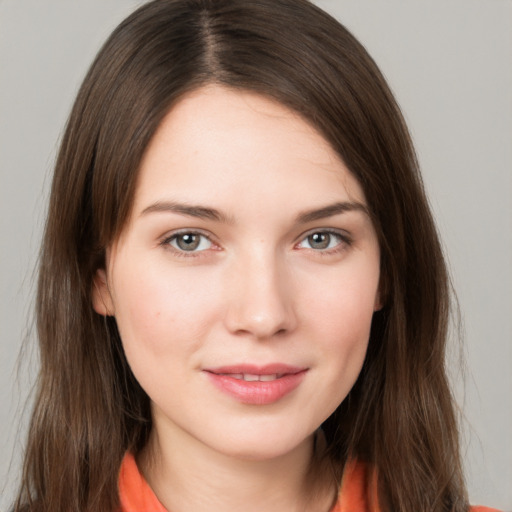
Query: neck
[[187, 476]]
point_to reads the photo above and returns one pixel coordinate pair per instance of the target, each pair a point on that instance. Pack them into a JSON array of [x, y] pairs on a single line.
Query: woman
[[242, 297]]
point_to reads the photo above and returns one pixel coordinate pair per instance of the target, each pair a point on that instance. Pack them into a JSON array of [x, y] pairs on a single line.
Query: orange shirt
[[136, 495]]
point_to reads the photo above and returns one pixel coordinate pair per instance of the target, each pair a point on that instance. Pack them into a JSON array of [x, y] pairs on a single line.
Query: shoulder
[[359, 490]]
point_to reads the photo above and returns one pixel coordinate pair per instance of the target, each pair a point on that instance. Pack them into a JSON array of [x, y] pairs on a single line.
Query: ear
[[379, 301], [378, 304], [101, 297]]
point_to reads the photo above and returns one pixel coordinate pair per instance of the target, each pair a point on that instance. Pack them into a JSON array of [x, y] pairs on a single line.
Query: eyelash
[[167, 243], [345, 241]]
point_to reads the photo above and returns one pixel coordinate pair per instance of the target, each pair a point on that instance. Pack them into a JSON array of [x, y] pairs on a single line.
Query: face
[[246, 277]]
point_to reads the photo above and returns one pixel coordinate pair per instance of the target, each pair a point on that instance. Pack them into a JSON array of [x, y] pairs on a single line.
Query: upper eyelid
[[170, 235], [334, 231]]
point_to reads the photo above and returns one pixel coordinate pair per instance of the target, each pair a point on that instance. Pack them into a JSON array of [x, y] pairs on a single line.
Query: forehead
[[217, 143]]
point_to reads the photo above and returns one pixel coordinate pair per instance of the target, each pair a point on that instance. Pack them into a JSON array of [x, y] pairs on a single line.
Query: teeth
[[249, 377]]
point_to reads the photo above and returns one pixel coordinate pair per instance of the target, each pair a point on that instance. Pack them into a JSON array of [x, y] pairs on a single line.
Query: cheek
[[340, 321], [344, 307], [345, 338], [160, 313], [344, 350]]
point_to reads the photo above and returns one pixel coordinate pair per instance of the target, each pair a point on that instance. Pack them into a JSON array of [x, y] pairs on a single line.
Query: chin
[[263, 447]]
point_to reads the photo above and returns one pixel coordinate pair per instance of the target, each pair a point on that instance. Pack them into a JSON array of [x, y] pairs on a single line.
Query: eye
[[189, 242], [322, 241]]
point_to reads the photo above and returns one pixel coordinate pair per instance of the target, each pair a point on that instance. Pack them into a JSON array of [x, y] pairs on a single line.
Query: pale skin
[[248, 243]]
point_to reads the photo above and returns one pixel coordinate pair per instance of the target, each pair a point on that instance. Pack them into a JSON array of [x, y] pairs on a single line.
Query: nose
[[261, 304]]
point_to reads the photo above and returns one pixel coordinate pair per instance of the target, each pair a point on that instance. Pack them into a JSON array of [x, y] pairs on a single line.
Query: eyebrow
[[200, 212], [330, 211], [204, 212]]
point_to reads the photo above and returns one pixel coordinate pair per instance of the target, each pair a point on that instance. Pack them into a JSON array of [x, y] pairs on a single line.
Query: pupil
[[188, 242], [319, 240]]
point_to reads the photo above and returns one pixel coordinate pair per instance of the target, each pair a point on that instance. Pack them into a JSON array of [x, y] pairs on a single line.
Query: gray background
[[450, 65]]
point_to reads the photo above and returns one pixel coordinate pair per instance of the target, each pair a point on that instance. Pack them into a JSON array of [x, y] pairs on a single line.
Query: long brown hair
[[89, 409]]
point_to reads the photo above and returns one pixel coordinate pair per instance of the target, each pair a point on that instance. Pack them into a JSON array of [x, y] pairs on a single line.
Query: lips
[[251, 377], [256, 385]]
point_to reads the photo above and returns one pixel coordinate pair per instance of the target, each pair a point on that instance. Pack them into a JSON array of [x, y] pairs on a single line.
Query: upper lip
[[252, 369]]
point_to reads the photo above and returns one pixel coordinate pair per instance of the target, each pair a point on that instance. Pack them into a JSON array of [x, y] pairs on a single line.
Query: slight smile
[[257, 385]]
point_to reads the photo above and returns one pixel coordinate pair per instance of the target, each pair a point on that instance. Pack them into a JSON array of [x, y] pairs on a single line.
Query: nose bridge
[[260, 302]]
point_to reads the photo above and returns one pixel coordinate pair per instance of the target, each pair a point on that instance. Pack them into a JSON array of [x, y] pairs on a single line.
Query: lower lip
[[257, 392]]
